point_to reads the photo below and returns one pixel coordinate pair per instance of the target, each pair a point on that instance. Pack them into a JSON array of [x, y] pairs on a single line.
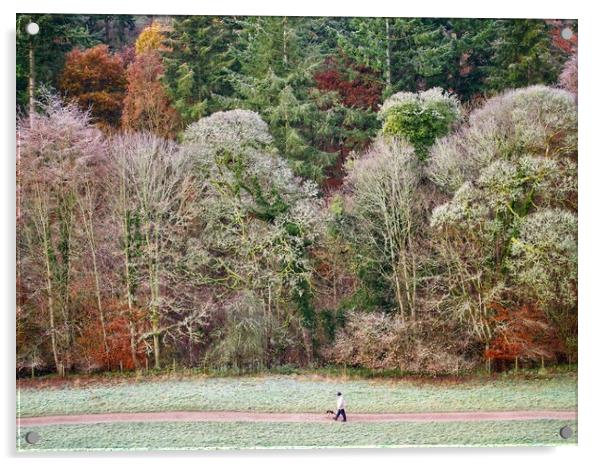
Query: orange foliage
[[524, 333], [567, 44], [95, 79], [90, 341], [356, 84], [146, 105]]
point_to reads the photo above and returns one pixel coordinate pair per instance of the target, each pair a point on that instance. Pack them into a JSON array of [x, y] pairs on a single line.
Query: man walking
[[340, 407]]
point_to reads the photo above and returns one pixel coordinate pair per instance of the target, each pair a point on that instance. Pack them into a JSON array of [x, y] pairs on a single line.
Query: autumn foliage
[[146, 105], [524, 333], [119, 354], [356, 84], [95, 79], [150, 39]]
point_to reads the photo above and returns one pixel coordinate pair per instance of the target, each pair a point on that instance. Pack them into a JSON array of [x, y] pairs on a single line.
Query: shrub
[[378, 341], [536, 121], [420, 118], [524, 333]]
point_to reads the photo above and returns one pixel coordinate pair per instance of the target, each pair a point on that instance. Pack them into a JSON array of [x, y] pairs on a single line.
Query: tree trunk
[[50, 299], [156, 348], [308, 346], [99, 304], [52, 328], [154, 310], [388, 50], [86, 211], [107, 29], [284, 39], [32, 82], [133, 345]]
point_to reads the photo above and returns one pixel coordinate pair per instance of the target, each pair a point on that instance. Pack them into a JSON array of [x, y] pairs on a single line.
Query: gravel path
[[232, 416]]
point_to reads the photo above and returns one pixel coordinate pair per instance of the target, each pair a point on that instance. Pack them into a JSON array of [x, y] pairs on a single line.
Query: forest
[[251, 193]]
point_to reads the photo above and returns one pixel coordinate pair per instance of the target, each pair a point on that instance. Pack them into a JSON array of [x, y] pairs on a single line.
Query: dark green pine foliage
[[447, 53], [196, 62], [413, 54], [58, 35], [116, 31], [524, 55], [368, 41], [469, 57], [277, 57]]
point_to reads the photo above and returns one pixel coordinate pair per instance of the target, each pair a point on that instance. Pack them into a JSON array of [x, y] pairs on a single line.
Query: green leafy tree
[[419, 118]]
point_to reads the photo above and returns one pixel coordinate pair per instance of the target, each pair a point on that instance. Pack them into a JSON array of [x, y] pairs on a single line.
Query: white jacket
[[340, 402]]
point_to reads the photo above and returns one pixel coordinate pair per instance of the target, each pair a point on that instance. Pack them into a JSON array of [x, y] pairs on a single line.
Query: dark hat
[[338, 393]]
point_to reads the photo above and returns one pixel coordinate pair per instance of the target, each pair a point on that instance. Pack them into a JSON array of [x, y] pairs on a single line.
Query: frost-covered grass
[[156, 436], [300, 394]]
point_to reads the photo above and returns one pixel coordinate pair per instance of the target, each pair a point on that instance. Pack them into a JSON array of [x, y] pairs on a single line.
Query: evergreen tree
[[413, 54], [277, 59], [116, 31], [524, 55], [196, 61], [42, 56]]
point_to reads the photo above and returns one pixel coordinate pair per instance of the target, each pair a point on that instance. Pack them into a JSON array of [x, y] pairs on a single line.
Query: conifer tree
[[277, 58], [42, 56], [196, 59], [523, 55]]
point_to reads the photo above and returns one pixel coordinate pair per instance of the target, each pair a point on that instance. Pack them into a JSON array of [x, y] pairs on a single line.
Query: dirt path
[[231, 416]]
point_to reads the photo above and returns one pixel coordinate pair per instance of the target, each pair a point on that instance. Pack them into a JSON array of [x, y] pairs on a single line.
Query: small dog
[[330, 411]]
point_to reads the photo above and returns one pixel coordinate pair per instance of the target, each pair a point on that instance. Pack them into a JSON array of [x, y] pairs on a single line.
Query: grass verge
[[236, 435], [300, 394]]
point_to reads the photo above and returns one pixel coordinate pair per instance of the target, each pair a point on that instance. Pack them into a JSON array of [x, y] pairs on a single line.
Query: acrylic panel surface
[[295, 232]]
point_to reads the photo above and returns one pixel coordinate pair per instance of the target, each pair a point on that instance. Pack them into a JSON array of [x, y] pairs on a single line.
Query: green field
[[214, 435], [301, 394]]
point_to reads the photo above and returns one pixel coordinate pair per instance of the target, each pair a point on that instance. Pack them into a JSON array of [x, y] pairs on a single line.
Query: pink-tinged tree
[[568, 77], [59, 154]]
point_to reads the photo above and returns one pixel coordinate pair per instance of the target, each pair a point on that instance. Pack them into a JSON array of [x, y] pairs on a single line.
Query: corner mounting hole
[[566, 33], [566, 432], [32, 29], [32, 438]]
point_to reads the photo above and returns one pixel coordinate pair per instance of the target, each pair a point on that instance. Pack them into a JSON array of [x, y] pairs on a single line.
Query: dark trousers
[[341, 412]]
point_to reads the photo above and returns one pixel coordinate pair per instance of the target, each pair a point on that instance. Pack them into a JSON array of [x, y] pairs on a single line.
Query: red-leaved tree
[[357, 84]]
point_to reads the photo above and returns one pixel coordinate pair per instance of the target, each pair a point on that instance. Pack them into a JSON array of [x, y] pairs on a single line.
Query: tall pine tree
[[196, 59], [524, 54], [277, 58]]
